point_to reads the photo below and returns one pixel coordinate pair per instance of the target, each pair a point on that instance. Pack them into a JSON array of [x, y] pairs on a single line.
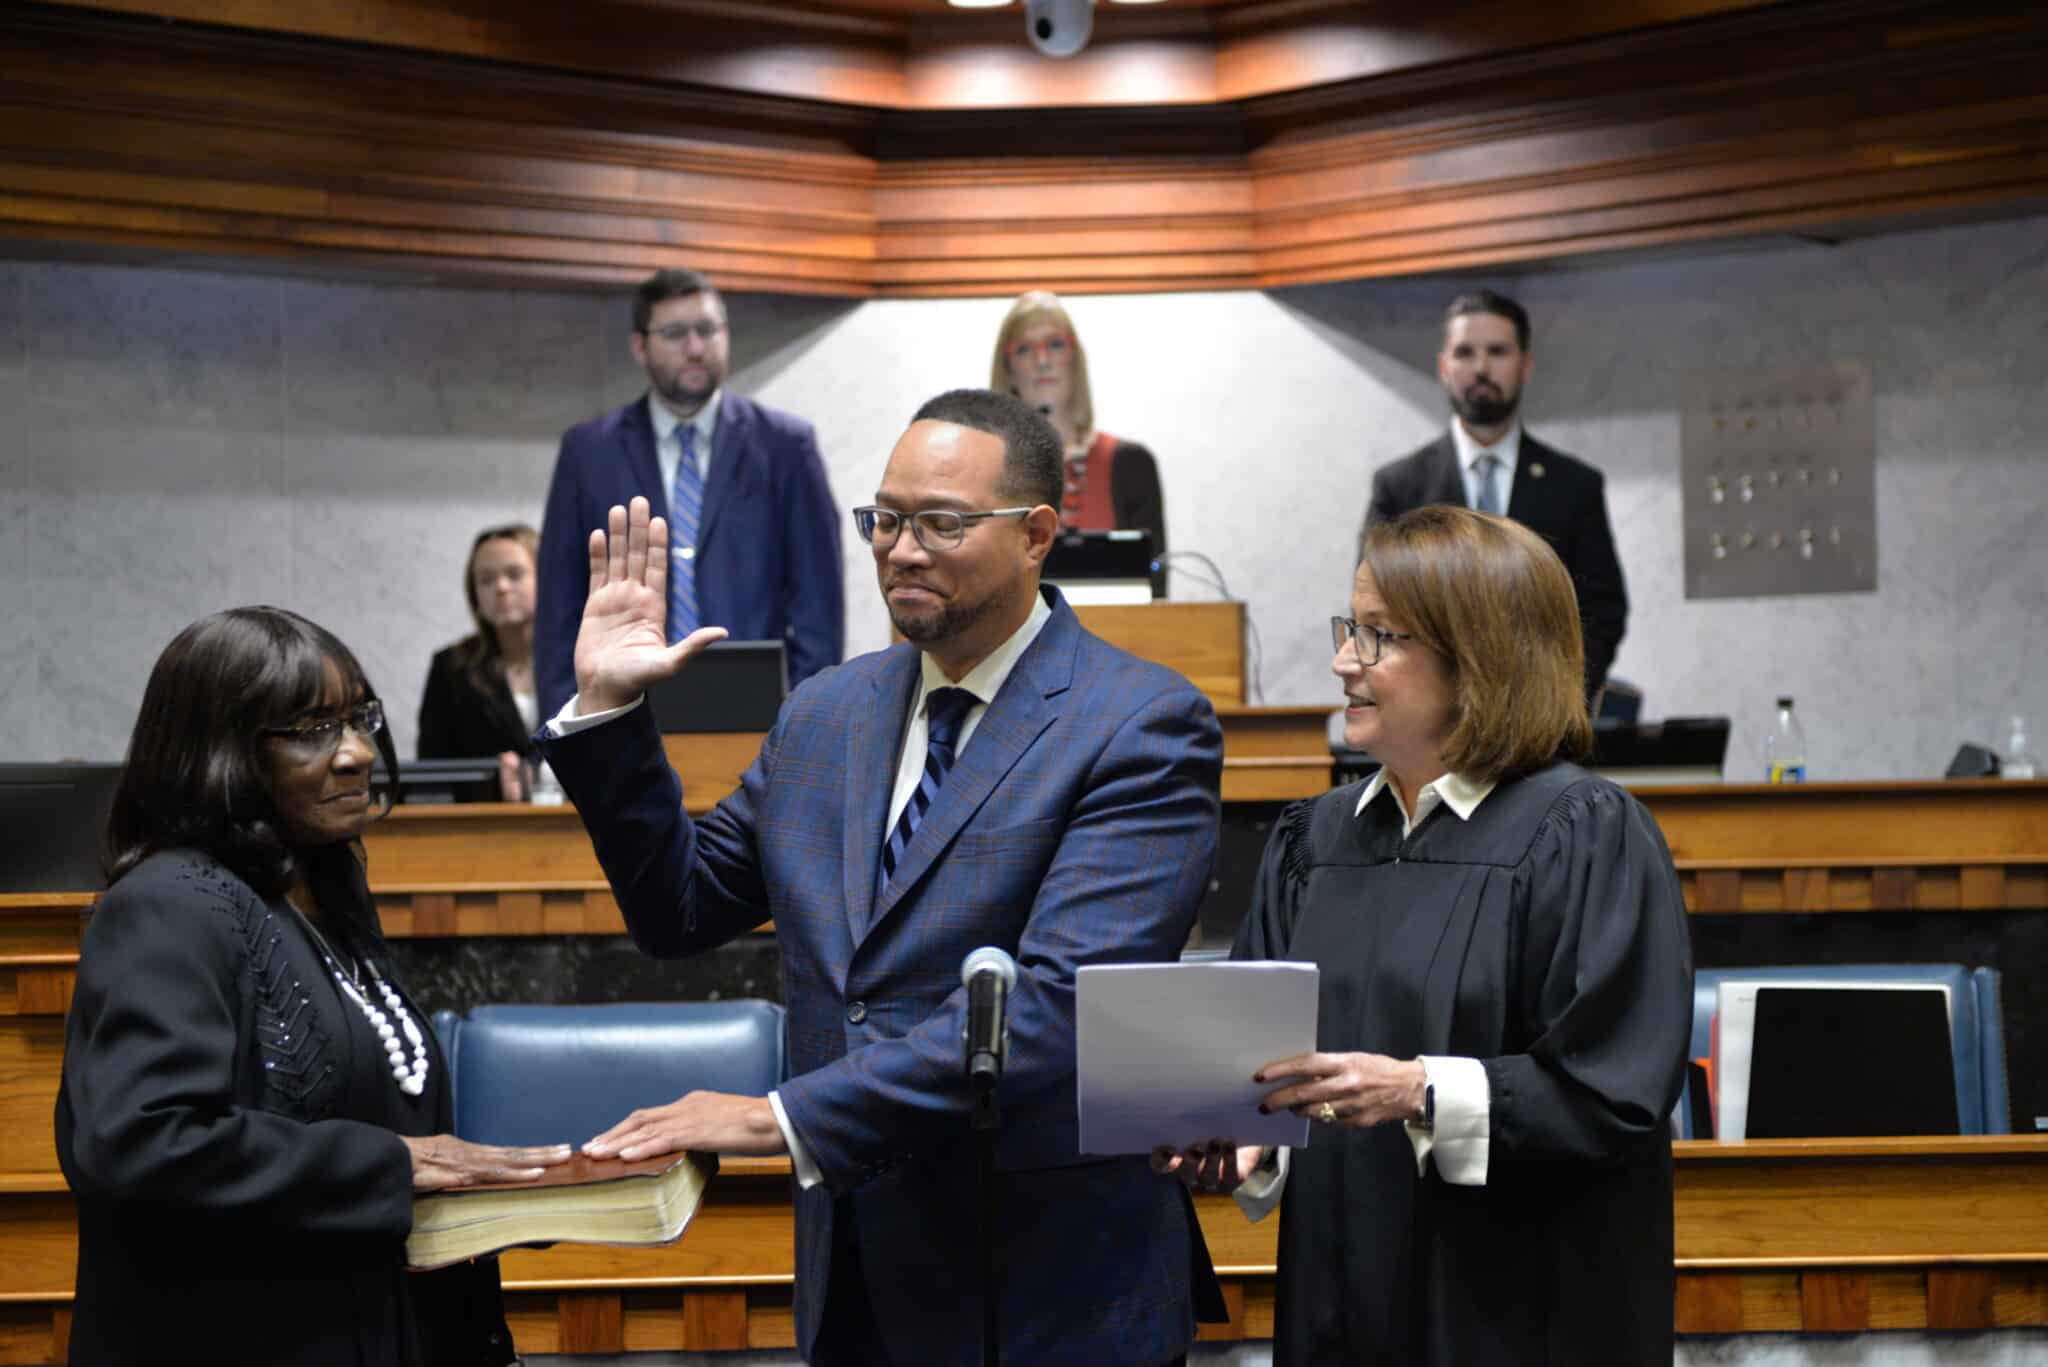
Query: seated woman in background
[[480, 699], [1505, 991], [250, 1098], [1112, 483]]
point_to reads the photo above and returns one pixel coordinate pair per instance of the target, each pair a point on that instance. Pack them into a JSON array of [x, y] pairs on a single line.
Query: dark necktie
[[944, 709]]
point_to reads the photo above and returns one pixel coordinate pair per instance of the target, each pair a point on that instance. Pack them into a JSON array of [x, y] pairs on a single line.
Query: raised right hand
[[622, 645], [441, 1161]]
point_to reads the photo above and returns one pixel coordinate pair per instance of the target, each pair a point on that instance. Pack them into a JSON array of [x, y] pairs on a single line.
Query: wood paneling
[[1285, 144]]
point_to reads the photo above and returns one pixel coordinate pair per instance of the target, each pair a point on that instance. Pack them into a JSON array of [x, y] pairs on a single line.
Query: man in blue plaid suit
[[1064, 806]]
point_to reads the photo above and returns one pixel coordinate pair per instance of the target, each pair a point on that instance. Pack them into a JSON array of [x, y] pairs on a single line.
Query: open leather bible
[[585, 1200]]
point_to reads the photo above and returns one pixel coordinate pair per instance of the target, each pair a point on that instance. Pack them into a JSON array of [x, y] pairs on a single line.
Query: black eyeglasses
[[704, 329], [322, 738], [936, 529], [1368, 641]]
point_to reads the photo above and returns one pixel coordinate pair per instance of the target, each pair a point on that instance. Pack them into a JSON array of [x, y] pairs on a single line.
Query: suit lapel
[[729, 451], [1532, 502], [638, 431], [1445, 483], [1026, 705], [873, 747]]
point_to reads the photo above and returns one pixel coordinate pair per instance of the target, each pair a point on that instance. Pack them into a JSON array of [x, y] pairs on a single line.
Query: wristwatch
[[1427, 1120]]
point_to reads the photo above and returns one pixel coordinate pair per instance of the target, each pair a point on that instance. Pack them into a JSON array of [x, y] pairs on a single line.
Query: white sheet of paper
[[1167, 1052]]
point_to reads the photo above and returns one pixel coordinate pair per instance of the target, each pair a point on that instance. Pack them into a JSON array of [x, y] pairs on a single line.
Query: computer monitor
[[53, 826], [1675, 750], [728, 686], [425, 781], [1101, 567]]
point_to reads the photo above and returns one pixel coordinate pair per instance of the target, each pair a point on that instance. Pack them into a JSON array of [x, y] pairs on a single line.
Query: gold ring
[[1327, 1113]]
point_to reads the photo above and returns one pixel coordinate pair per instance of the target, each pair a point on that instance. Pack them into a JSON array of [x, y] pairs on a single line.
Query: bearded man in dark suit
[[1487, 462]]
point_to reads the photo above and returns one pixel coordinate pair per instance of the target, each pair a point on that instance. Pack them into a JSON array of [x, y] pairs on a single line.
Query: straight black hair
[[196, 777]]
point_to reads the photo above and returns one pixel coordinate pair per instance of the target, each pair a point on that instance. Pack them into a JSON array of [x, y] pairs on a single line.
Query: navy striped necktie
[[945, 710], [685, 506]]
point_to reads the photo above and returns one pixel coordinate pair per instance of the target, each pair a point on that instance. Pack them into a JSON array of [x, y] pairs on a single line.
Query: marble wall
[[184, 440]]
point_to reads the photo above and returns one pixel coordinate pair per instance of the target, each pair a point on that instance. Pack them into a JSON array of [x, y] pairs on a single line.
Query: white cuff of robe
[[807, 1174], [567, 723], [1464, 1118], [1259, 1194]]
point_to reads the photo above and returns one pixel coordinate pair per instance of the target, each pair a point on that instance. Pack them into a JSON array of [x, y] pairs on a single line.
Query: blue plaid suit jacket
[[1077, 826]]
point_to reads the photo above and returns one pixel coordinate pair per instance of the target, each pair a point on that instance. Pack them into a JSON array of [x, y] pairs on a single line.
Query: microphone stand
[[986, 1119]]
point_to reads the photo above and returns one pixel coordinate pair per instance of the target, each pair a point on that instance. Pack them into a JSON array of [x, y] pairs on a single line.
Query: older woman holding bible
[[1505, 990], [250, 1097]]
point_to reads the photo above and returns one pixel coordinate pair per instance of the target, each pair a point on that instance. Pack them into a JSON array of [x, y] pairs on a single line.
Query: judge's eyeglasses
[[1367, 640]]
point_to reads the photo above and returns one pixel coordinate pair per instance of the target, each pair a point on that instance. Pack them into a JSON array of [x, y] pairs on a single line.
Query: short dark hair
[[1489, 301], [1492, 599], [674, 283], [195, 776], [1034, 460]]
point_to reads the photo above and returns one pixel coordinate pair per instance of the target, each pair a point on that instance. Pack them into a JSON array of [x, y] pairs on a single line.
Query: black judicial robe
[[1547, 939]]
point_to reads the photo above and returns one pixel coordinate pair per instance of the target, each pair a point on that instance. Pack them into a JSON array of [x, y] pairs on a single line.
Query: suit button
[[857, 1013]]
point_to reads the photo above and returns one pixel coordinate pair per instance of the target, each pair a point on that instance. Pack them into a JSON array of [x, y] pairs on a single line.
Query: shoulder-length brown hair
[[1495, 602], [482, 647], [1043, 306], [196, 776]]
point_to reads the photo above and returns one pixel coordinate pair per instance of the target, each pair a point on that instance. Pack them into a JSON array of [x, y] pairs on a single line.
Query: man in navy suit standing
[[1486, 461], [1001, 777], [753, 527]]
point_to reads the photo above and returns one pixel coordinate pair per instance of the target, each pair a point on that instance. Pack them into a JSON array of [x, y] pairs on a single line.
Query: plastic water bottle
[[2017, 762], [1785, 747]]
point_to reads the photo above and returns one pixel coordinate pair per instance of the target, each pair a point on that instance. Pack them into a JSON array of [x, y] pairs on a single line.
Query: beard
[[682, 393], [943, 623], [1485, 406]]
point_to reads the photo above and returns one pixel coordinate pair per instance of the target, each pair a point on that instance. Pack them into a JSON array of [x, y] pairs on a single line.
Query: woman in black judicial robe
[[1506, 989], [243, 1134]]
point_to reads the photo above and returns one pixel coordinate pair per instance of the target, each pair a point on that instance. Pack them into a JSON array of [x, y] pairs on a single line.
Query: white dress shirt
[[668, 446], [1508, 449], [985, 680], [1460, 1136]]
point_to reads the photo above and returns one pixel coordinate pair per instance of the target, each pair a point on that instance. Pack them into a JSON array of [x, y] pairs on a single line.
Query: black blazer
[[469, 713], [1559, 497], [231, 1136]]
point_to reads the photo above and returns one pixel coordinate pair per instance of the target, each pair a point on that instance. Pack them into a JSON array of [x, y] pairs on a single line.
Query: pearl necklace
[[411, 1080]]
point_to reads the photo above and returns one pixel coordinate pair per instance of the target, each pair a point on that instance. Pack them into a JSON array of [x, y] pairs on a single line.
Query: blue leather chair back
[[1976, 1029], [560, 1074]]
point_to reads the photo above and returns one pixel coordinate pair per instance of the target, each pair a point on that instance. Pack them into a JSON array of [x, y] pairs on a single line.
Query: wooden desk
[[1785, 1235], [1772, 1235]]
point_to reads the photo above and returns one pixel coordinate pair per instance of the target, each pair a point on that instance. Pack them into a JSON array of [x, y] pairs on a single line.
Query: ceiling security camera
[[1059, 28]]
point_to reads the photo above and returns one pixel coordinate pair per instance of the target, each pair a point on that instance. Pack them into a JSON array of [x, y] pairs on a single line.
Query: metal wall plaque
[[1779, 471]]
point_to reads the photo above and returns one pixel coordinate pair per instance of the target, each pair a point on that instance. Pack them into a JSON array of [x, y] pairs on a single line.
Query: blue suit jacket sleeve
[[682, 885], [563, 578], [1123, 886], [814, 595]]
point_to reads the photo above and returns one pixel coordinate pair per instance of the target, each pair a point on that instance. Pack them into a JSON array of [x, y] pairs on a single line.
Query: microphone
[[989, 974]]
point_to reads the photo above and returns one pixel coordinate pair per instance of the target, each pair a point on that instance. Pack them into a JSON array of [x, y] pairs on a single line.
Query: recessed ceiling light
[[977, 4]]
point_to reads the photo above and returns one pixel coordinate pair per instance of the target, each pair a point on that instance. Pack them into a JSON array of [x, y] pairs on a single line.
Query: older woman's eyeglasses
[[1367, 640], [936, 529], [323, 738]]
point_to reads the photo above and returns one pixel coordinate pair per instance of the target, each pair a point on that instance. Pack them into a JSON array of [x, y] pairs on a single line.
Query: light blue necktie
[[945, 711], [1489, 484], [685, 505]]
